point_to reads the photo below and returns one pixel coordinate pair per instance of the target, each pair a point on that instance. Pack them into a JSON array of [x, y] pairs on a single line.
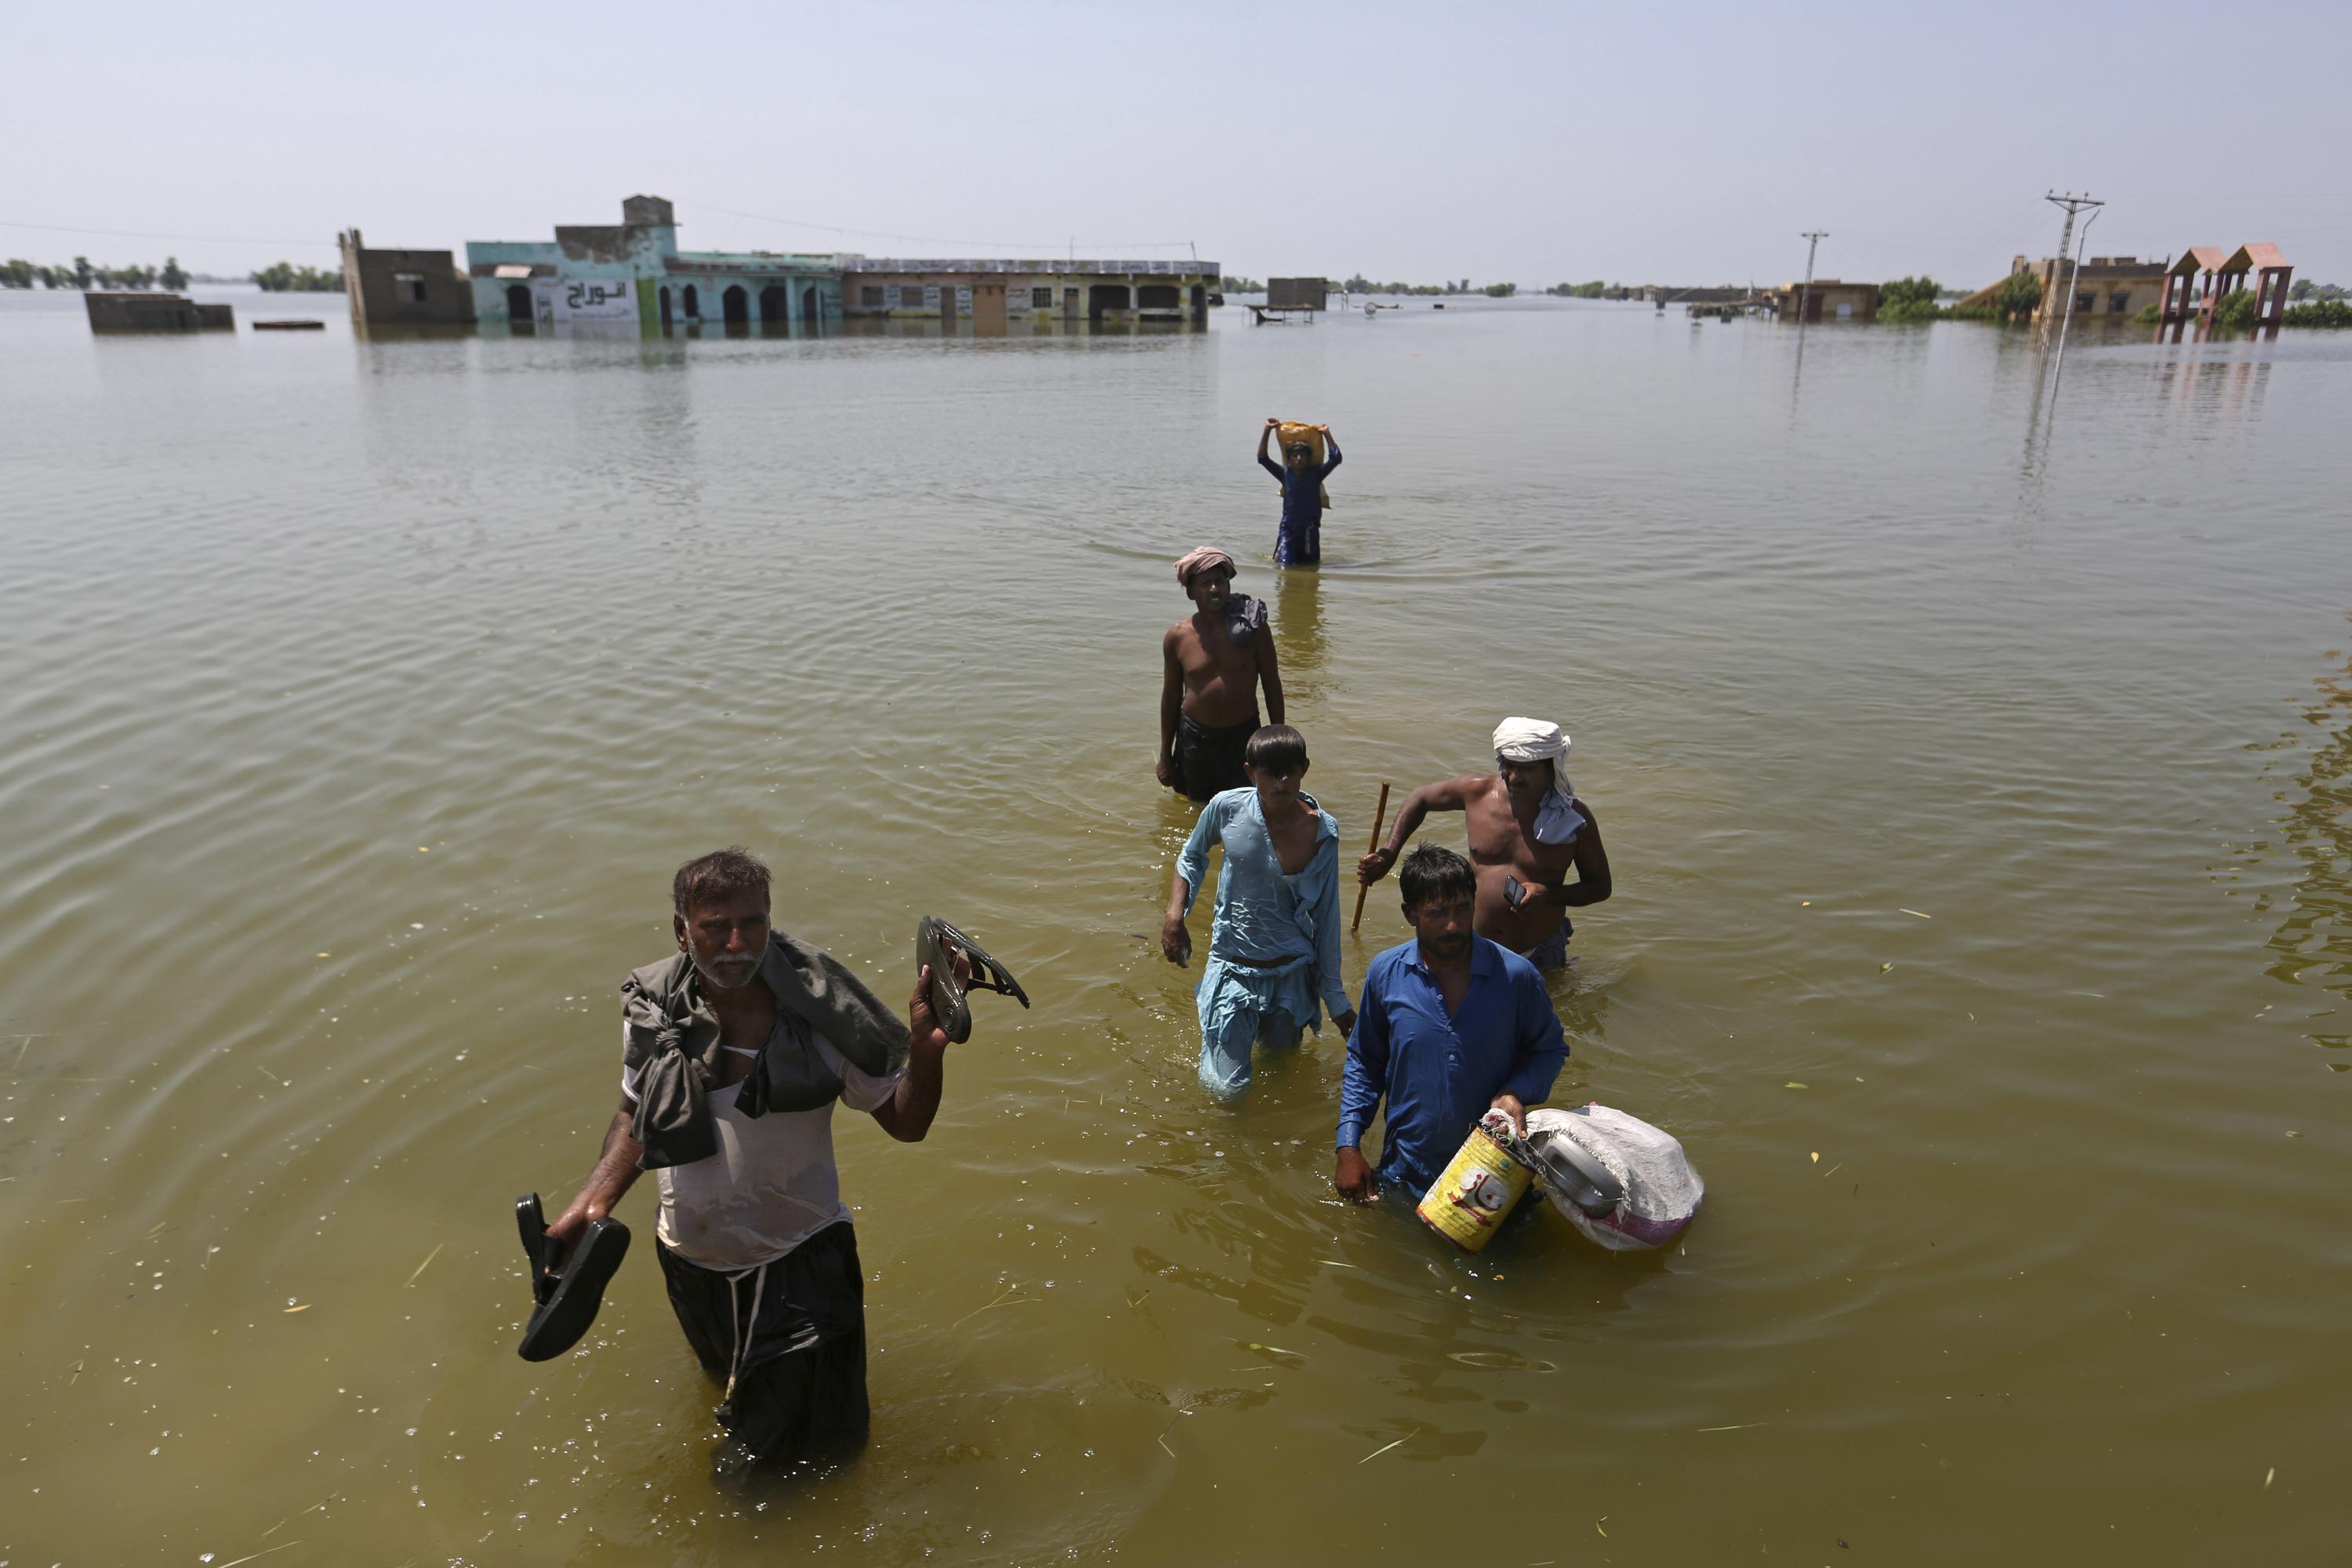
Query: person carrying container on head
[[1449, 1025], [1273, 946], [1301, 540]]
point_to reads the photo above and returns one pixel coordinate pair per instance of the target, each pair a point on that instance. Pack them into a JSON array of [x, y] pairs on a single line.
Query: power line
[[148, 234]]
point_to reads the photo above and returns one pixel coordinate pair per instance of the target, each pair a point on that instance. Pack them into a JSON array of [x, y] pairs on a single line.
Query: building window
[[910, 296], [2086, 301], [870, 296], [2118, 303], [1070, 296], [408, 288], [1041, 298]]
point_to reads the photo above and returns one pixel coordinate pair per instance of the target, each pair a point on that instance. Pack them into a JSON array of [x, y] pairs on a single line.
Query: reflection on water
[[2313, 943]]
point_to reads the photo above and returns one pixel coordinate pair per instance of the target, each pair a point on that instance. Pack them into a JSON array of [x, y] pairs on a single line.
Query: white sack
[[1662, 1191]]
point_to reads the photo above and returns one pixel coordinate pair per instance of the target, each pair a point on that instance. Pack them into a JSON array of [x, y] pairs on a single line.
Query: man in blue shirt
[[1274, 947], [1301, 540], [1450, 1026]]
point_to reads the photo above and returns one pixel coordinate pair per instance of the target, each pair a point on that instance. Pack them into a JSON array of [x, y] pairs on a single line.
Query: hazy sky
[[1531, 143]]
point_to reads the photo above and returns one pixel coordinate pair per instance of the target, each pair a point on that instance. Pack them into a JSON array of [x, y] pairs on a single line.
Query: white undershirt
[[772, 1184]]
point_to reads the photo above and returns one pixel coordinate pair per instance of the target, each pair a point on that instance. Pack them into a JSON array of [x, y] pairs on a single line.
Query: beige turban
[[1201, 560], [1533, 740]]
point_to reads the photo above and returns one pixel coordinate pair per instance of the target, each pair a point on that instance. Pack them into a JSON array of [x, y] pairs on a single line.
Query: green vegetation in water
[[1909, 300], [1596, 289], [2305, 289], [17, 273], [2319, 313], [283, 278], [1239, 284]]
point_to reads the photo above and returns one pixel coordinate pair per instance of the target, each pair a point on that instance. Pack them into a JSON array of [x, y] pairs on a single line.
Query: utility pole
[[2067, 318], [1814, 238], [2059, 274]]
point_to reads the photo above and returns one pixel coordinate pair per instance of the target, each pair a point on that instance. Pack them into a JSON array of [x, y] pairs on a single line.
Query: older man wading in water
[[733, 1052], [1527, 831], [1211, 667]]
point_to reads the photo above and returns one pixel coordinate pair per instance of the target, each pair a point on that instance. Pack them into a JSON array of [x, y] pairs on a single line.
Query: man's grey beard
[[715, 983]]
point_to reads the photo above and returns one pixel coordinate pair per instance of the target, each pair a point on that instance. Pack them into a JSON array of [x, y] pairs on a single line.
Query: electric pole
[[2059, 274], [1814, 238]]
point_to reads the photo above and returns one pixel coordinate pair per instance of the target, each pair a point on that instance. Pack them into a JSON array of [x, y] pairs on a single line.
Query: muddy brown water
[[1973, 762]]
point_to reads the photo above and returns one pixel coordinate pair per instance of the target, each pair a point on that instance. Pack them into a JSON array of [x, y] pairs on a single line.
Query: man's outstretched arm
[[616, 1168], [907, 1115], [1446, 794]]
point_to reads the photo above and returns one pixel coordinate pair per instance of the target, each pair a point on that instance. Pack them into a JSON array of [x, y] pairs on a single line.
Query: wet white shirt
[[772, 1184]]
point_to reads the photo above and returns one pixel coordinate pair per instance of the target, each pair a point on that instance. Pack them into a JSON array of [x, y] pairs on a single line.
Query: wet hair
[[1275, 748], [718, 874], [1433, 873]]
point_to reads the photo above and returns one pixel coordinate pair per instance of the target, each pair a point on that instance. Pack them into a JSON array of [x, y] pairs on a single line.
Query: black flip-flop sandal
[[948, 1004], [567, 1295]]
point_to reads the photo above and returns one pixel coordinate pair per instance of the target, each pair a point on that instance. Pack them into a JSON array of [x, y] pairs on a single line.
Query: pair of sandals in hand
[[567, 1291]]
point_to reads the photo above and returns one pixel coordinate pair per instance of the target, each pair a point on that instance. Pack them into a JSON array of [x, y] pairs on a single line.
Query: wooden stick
[[1380, 820]]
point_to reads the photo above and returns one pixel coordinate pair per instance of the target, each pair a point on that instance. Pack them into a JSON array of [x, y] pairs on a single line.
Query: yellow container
[[1292, 431], [1467, 1202]]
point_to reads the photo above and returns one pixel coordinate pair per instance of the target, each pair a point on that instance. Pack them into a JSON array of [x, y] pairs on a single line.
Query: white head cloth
[[1533, 741]]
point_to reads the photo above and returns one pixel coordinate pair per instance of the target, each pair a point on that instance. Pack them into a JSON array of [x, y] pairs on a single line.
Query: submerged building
[[403, 287], [633, 271], [991, 292]]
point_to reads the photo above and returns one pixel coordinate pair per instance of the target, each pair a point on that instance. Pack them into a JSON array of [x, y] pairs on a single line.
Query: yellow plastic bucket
[[1467, 1202]]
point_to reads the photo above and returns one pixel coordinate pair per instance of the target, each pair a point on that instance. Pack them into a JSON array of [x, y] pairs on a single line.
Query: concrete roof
[[2255, 256], [2201, 259]]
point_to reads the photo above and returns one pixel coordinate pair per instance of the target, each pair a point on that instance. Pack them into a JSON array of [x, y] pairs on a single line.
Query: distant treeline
[[82, 274], [1596, 289], [85, 275], [1359, 284]]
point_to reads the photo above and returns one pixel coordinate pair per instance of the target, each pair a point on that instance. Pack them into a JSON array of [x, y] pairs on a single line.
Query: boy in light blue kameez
[[1273, 943]]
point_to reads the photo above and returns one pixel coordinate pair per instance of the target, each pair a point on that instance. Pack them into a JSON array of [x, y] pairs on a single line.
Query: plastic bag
[[1661, 1192]]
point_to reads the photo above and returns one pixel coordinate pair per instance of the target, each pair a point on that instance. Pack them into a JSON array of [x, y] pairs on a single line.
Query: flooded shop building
[[1036, 291], [633, 274]]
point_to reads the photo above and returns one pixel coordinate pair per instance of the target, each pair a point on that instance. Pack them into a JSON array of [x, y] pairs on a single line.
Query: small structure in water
[[404, 288], [291, 324], [154, 313]]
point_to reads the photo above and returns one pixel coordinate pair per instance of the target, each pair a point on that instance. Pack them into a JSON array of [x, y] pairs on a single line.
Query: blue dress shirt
[[1438, 1072]]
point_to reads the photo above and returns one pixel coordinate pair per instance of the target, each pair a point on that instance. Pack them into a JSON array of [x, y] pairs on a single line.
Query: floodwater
[[1975, 766]]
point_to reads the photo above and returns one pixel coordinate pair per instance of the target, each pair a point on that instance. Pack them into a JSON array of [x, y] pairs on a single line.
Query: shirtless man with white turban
[[1528, 830]]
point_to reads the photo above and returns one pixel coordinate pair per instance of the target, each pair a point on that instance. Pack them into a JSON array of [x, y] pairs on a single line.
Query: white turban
[[1533, 741]]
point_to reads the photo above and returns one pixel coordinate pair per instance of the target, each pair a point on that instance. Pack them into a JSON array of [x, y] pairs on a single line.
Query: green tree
[[2020, 295], [2319, 313], [17, 274], [1500, 291], [1909, 300], [81, 273], [2235, 313], [173, 278]]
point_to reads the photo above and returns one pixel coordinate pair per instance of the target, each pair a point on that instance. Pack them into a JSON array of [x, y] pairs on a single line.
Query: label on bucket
[[1470, 1197]]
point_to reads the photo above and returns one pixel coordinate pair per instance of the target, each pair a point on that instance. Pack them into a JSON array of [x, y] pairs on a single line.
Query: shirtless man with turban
[[1527, 831], [1212, 665]]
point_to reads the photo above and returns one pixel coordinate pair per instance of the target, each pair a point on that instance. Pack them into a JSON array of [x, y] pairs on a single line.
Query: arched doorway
[[735, 306], [693, 303], [1199, 302], [1156, 296], [665, 306], [1103, 297], [810, 311], [775, 307], [519, 304]]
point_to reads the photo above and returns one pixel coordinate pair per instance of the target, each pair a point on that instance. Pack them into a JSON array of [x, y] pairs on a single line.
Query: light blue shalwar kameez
[[1290, 924]]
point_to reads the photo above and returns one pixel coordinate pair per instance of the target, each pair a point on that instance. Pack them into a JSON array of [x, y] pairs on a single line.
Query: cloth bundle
[[1663, 1191]]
